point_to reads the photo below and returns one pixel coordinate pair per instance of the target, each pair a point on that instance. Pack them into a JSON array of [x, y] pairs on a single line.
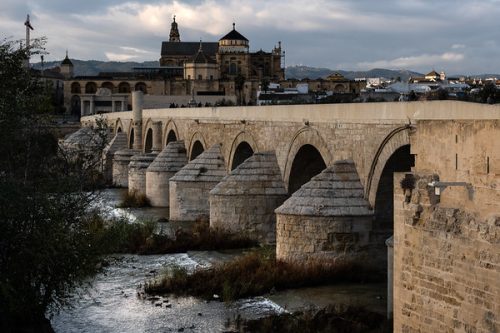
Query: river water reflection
[[111, 304]]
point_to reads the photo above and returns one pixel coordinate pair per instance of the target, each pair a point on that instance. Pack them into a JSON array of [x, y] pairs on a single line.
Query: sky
[[457, 36]]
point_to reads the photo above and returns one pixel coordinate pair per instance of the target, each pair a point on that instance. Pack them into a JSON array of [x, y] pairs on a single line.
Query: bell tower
[[174, 32]]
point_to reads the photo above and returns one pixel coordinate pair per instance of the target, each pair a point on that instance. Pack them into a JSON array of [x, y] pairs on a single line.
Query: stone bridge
[[325, 181], [291, 144]]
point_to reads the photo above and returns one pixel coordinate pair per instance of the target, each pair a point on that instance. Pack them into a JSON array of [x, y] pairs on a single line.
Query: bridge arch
[[397, 138], [170, 133], [148, 133], [243, 147], [308, 154], [118, 126], [131, 137], [393, 155], [197, 145]]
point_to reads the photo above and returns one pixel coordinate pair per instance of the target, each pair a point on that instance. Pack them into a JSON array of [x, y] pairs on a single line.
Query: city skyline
[[455, 36]]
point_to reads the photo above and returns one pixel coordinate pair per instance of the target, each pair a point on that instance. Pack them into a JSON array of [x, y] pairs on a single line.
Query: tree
[[45, 245], [264, 84], [489, 93], [239, 82]]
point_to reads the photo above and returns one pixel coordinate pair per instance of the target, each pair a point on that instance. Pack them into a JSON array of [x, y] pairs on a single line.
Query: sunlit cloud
[[430, 60], [413, 34]]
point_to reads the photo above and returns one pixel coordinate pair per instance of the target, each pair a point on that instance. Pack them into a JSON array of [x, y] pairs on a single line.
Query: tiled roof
[[234, 35], [336, 191], [188, 48]]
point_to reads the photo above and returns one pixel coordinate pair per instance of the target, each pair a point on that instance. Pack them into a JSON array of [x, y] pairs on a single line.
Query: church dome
[[233, 42], [234, 35]]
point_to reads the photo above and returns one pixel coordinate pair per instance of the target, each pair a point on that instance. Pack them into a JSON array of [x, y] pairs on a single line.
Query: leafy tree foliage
[[45, 246]]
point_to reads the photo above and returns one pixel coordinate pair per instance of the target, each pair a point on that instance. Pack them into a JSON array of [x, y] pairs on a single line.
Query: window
[[233, 69], [200, 77]]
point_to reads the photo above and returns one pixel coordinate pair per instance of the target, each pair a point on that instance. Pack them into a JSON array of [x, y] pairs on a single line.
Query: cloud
[[429, 60], [323, 33], [129, 53]]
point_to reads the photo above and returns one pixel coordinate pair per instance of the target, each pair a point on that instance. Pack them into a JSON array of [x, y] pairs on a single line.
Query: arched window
[[75, 88], [90, 88], [124, 88], [233, 69], [108, 85], [141, 86]]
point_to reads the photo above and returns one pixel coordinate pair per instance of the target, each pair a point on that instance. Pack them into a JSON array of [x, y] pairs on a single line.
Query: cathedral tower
[[174, 32]]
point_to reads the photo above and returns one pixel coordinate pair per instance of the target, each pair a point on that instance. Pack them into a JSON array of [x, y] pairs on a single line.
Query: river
[[111, 302]]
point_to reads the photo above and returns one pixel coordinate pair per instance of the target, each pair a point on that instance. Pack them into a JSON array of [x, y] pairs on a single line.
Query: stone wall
[[462, 151], [312, 237], [446, 264], [137, 173], [250, 215], [189, 200]]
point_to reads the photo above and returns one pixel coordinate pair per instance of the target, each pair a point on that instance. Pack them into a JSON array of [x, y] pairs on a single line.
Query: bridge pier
[[121, 161], [190, 187], [157, 131], [165, 165], [137, 172], [119, 142], [245, 200], [327, 217]]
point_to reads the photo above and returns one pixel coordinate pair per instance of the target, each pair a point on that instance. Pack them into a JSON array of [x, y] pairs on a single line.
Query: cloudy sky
[[458, 36]]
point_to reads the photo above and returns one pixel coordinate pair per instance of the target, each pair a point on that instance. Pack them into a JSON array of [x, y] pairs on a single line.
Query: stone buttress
[[119, 142], [121, 161], [137, 172], [327, 217], [245, 200], [190, 187], [167, 163]]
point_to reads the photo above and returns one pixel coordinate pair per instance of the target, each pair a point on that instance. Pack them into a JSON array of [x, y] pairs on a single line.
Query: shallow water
[[112, 304]]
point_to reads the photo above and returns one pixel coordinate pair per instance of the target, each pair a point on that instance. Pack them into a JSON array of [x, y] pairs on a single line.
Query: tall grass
[[134, 199], [332, 319], [257, 273], [119, 236]]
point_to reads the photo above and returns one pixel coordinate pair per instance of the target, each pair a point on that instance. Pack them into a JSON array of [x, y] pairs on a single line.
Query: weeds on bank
[[258, 273], [123, 237], [134, 200], [332, 319]]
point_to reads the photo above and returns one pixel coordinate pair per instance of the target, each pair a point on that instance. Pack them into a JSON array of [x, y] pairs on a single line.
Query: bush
[[120, 236], [134, 200], [257, 273], [332, 319]]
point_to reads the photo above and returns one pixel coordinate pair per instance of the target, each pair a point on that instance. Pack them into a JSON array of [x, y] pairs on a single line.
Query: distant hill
[[94, 67], [302, 72]]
